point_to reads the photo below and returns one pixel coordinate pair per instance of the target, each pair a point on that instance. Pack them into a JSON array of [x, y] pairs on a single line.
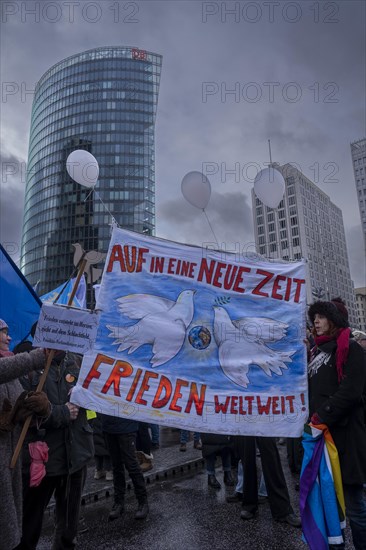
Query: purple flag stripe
[[311, 531]]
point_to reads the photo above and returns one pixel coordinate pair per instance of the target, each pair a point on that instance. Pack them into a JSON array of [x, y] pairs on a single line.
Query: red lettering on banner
[[218, 273], [198, 400], [276, 287], [145, 386], [283, 405], [275, 409], [116, 256], [177, 395], [263, 409], [291, 399], [171, 263], [234, 405], [239, 279], [129, 258], [213, 273], [288, 290], [250, 399], [121, 369], [187, 269], [133, 385], [267, 277], [164, 385], [273, 405], [94, 373], [241, 408], [299, 283], [230, 276], [276, 290], [180, 396], [221, 407], [206, 271]]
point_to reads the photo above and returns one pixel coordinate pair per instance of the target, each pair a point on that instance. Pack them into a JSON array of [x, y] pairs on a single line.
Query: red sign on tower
[[138, 54]]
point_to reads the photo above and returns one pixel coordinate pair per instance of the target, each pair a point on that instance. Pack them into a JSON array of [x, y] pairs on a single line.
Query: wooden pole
[[42, 380]]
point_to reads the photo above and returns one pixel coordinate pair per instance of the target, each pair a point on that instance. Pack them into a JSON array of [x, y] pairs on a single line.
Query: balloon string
[[88, 195], [105, 206], [213, 232]]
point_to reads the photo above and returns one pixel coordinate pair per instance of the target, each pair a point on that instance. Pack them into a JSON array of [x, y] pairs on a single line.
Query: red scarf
[[342, 338]]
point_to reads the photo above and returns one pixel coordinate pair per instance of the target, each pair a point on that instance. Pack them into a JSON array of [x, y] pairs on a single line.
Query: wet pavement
[[184, 512]]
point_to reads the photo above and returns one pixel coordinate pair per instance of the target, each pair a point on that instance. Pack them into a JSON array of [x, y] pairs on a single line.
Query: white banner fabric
[[198, 339]]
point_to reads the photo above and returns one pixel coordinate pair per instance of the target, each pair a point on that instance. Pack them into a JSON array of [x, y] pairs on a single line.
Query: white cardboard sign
[[66, 328]]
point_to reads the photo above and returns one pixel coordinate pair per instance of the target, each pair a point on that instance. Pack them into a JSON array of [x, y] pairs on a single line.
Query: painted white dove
[[162, 323], [238, 349]]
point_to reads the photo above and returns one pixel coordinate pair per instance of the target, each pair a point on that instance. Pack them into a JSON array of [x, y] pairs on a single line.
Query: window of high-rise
[[104, 101]]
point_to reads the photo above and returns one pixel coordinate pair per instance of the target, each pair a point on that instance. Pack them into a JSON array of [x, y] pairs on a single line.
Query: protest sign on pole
[[66, 328], [197, 339], [42, 380]]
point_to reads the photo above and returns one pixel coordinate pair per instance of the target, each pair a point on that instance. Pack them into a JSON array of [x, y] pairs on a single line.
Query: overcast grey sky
[[297, 70]]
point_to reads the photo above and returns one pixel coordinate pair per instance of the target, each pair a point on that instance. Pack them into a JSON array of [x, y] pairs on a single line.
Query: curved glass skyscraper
[[103, 100]]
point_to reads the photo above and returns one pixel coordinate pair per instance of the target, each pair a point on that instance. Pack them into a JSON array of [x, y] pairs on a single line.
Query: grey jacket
[[70, 442], [11, 368]]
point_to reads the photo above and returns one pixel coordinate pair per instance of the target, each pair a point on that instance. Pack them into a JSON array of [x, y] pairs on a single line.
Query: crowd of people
[[74, 438]]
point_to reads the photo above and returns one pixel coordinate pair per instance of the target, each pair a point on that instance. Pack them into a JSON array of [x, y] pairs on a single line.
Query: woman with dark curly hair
[[337, 376]]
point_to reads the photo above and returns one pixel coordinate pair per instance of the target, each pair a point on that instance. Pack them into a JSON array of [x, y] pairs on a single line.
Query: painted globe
[[199, 337]]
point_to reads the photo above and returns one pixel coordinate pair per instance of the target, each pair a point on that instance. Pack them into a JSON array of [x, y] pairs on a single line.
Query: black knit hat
[[334, 311]]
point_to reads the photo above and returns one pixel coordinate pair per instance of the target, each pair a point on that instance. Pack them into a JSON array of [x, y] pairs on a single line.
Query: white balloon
[[196, 189], [82, 167], [269, 186]]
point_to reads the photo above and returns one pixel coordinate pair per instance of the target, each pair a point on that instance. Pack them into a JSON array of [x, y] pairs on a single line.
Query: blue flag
[[19, 304], [63, 293]]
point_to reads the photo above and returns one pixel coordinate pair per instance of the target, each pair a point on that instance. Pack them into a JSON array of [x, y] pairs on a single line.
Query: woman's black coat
[[340, 406]]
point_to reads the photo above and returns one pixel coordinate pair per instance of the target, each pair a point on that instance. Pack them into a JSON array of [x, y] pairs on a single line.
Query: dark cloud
[[11, 203], [181, 221]]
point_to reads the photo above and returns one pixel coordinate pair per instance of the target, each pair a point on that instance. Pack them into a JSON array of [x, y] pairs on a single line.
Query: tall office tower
[[307, 225], [361, 308], [104, 101], [358, 151]]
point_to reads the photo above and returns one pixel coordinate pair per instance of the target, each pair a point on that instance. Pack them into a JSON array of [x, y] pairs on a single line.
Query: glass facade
[[104, 101]]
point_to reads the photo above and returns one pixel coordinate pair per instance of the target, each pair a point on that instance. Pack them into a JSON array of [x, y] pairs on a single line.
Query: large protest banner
[[198, 339]]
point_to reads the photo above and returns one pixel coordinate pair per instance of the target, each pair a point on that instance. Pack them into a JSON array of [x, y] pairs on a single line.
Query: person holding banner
[[213, 445], [278, 496], [121, 436], [13, 409], [70, 441], [337, 377]]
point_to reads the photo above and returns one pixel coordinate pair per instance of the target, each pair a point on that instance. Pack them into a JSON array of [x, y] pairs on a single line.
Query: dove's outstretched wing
[[165, 348], [261, 328], [137, 306], [236, 368], [126, 337], [162, 324], [270, 360], [241, 343]]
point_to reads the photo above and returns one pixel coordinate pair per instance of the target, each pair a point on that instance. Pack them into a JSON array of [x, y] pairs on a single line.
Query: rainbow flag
[[322, 505]]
